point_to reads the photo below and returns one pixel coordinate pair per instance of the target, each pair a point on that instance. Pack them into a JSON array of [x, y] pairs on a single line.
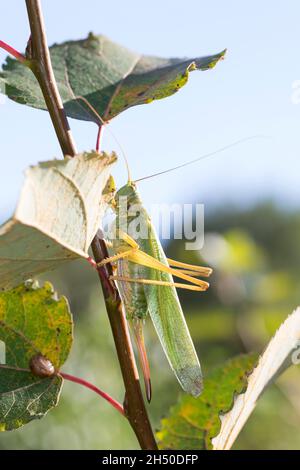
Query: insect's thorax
[[131, 217]]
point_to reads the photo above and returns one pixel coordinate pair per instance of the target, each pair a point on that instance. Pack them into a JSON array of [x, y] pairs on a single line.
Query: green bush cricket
[[144, 277]]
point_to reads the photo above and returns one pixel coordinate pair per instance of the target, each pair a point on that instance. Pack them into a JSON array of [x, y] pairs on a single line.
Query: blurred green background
[[252, 245], [256, 281]]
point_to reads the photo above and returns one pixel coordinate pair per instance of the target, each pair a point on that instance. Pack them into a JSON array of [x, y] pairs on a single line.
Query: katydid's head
[[128, 204], [128, 191]]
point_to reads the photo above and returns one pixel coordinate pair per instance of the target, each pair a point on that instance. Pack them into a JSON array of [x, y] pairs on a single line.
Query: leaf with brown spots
[[32, 321], [111, 77]]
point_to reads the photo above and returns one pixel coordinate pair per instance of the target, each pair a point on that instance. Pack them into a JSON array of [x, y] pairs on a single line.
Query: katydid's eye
[[40, 366]]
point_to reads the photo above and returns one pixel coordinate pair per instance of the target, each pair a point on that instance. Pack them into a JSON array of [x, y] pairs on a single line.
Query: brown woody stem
[[134, 405], [40, 63]]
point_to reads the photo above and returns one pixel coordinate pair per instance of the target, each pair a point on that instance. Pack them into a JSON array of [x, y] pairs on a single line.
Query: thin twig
[[99, 136], [11, 50], [134, 405], [95, 389], [77, 380]]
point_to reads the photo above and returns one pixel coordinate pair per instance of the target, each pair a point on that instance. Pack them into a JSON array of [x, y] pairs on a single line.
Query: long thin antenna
[[105, 124], [222, 149]]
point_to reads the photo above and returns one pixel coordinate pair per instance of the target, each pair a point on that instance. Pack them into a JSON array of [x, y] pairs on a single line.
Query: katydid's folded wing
[[169, 322]]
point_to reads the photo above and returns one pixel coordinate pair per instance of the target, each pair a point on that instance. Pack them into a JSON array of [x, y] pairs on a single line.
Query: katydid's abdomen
[[160, 301]]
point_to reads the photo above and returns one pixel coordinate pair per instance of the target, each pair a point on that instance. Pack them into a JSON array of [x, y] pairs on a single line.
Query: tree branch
[[134, 405], [40, 63]]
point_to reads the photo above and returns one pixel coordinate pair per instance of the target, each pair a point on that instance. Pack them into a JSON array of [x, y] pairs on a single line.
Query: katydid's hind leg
[[185, 267], [188, 273], [154, 282], [142, 258]]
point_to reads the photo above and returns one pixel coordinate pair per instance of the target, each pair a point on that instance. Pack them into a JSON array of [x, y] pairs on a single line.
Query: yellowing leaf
[[32, 321], [59, 211]]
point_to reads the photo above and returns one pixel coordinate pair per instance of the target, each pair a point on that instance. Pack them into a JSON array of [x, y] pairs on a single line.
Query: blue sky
[[247, 94]]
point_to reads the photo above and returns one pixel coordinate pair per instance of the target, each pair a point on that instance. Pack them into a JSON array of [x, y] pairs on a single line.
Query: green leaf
[[193, 422], [60, 209], [282, 351], [32, 321], [109, 76]]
